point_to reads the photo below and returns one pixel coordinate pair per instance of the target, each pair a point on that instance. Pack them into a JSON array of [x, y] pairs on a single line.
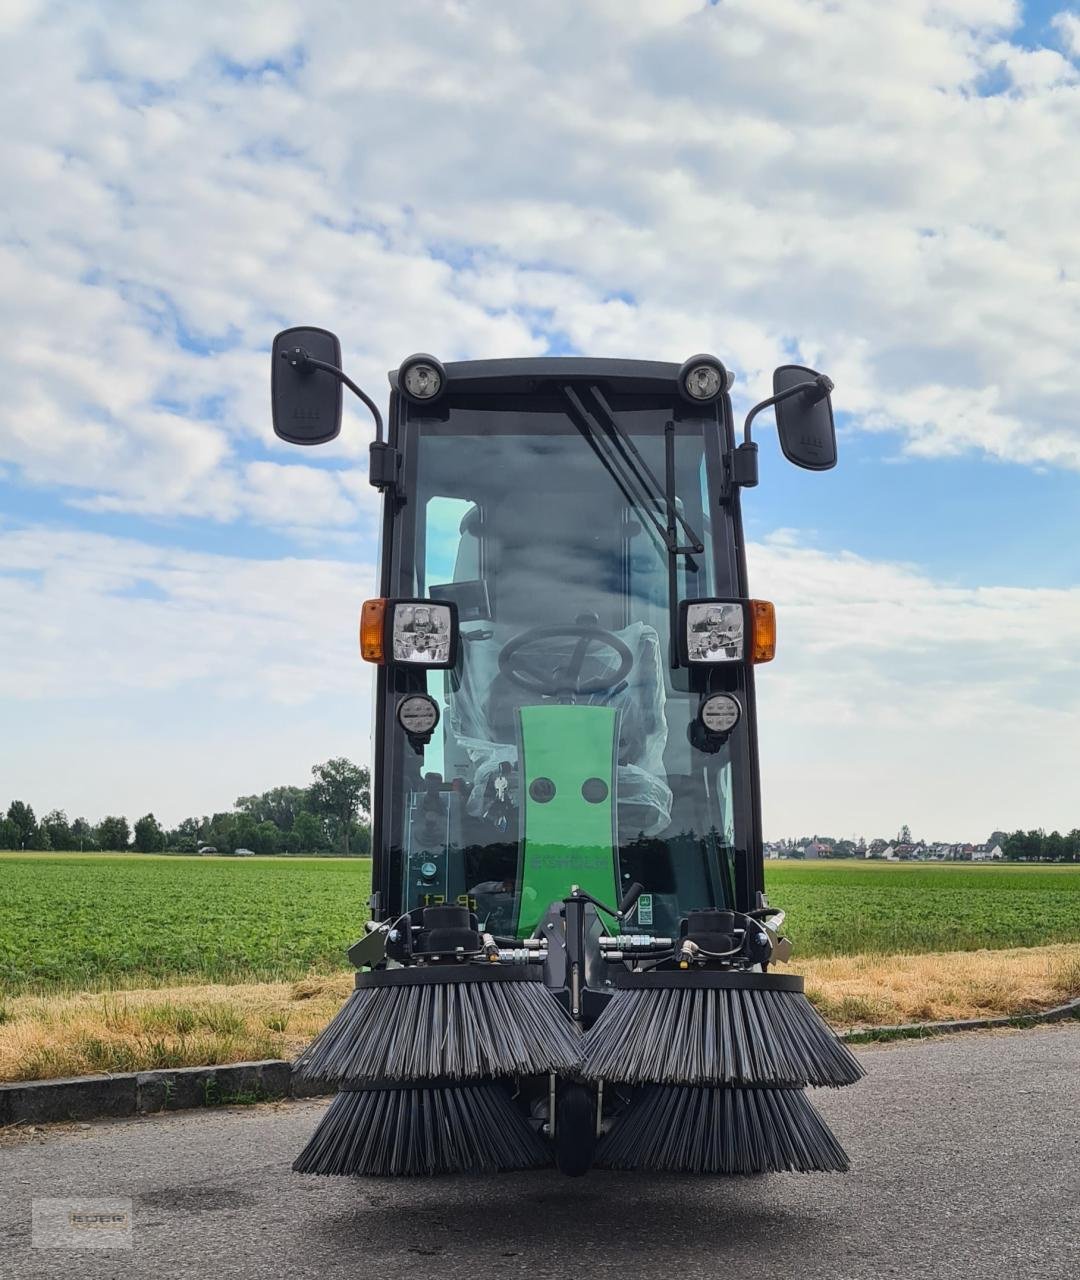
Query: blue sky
[[886, 192]]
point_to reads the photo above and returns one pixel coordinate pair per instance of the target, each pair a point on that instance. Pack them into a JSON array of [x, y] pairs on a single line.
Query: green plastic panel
[[568, 777]]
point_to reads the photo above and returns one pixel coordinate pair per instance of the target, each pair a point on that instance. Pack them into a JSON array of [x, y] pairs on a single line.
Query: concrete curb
[[151, 1092], [155, 1092], [915, 1029]]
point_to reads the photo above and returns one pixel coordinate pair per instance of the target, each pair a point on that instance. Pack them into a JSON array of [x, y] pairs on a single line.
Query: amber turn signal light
[[372, 630], [763, 626]]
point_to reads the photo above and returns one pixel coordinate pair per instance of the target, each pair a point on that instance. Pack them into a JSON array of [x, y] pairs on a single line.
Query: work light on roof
[[422, 378], [702, 379]]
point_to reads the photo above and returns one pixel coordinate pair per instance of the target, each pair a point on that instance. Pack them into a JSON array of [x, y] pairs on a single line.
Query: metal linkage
[[633, 946], [637, 942]]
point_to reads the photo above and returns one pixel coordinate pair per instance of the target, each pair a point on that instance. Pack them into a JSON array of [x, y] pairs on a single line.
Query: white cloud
[[893, 698], [1067, 25], [84, 616], [897, 698], [751, 177], [630, 177], [138, 677]]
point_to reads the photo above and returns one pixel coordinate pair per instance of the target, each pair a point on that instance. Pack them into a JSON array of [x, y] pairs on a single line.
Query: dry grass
[[44, 1037], [937, 987]]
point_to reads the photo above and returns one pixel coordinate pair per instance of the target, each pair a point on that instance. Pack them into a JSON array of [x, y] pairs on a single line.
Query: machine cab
[[573, 728], [564, 642]]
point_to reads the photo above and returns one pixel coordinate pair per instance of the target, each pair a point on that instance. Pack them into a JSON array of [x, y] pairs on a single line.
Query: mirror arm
[[302, 362], [816, 389]]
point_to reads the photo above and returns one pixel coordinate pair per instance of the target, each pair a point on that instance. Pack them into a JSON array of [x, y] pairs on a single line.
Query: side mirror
[[306, 402], [804, 421]]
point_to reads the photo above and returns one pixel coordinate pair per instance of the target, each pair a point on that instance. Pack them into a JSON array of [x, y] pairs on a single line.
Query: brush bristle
[[694, 1036], [672, 1129], [406, 1132], [450, 1031]]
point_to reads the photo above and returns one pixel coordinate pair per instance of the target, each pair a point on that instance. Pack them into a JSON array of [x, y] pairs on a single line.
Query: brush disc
[[421, 1028], [707, 1035], [472, 1128], [721, 1131]]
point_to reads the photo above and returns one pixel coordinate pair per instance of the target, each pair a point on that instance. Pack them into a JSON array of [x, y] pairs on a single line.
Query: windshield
[[563, 754]]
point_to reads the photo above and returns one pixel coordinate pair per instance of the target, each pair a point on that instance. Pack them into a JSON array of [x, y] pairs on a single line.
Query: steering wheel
[[533, 671]]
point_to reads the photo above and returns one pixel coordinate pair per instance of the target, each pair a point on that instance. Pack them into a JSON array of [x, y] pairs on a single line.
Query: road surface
[[966, 1155]]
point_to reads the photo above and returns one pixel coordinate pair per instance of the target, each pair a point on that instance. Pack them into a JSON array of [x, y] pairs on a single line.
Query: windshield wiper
[[622, 460], [633, 474]]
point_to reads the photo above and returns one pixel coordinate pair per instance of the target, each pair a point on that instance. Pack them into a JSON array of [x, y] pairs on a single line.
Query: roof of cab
[[493, 375]]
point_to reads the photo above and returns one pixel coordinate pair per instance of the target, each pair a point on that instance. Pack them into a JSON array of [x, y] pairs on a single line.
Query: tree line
[[1039, 846], [328, 816]]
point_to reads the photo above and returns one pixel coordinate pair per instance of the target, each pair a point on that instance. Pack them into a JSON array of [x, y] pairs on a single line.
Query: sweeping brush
[[671, 1129], [395, 1131], [714, 1027], [455, 1022]]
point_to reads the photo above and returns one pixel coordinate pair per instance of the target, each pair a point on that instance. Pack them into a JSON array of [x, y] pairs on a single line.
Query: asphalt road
[[966, 1155]]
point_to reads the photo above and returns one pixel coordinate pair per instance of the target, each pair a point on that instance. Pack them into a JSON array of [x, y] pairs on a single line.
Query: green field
[[95, 921], [842, 908], [85, 921]]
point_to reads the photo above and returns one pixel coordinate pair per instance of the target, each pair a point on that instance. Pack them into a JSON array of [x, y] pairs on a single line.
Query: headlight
[[422, 378], [702, 379], [423, 634], [714, 631], [717, 631], [417, 633]]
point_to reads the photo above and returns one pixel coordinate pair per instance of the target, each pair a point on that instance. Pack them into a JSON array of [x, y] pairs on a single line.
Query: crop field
[[99, 922], [847, 908]]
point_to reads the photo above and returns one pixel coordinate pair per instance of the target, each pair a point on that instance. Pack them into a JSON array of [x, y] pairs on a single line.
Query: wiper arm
[[667, 493], [632, 473], [638, 499]]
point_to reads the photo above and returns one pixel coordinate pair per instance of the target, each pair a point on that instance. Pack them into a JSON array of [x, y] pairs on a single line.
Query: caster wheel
[[575, 1128]]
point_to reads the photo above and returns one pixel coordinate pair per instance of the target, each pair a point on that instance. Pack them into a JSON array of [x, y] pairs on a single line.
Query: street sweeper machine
[[570, 957]]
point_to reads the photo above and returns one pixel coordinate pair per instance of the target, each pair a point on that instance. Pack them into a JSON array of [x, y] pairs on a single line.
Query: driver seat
[[482, 713]]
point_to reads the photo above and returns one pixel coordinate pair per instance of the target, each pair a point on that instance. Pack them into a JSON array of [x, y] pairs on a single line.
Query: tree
[[184, 837], [82, 836], [10, 836], [905, 835], [22, 816], [149, 837], [243, 834], [308, 834], [279, 805], [59, 830], [40, 841], [266, 838], [1055, 847], [1024, 845], [220, 832], [113, 833], [340, 794]]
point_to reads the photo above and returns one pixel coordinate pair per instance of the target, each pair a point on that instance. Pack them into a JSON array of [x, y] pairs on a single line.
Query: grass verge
[[46, 1037], [872, 990]]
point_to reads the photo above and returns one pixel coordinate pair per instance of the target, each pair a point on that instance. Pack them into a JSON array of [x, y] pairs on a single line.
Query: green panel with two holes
[[568, 775]]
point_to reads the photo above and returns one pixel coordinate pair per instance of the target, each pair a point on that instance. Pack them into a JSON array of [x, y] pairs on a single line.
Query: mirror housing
[[804, 421], [306, 401]]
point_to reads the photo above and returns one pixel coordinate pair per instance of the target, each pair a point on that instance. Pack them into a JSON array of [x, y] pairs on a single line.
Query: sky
[[886, 192]]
